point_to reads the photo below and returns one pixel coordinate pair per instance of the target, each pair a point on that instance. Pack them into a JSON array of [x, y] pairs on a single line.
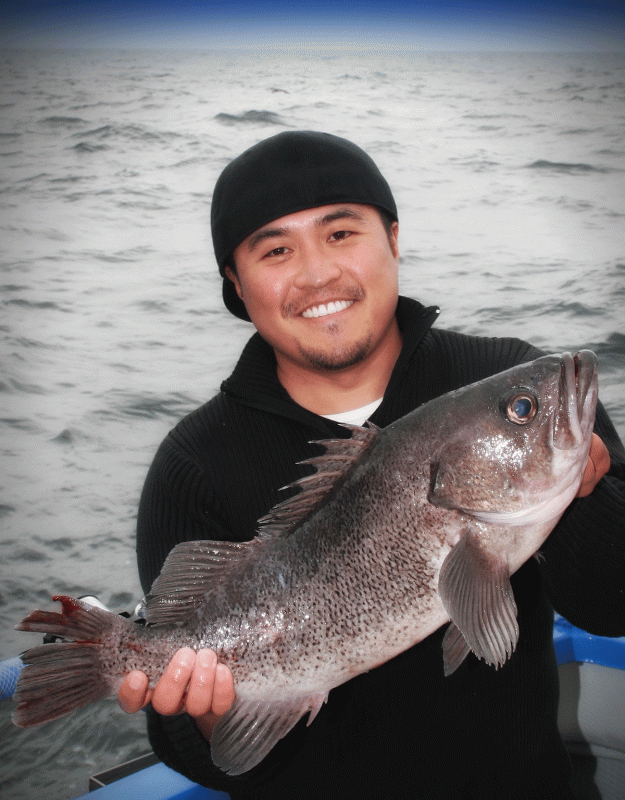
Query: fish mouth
[[577, 394]]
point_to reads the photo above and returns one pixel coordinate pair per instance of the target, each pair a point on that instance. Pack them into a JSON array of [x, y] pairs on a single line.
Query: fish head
[[513, 447]]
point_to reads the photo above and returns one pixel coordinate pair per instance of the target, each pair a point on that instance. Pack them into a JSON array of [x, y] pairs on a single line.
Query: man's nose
[[316, 271]]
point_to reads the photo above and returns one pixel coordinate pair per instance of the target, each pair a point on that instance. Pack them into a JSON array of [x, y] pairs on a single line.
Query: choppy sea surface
[[508, 171]]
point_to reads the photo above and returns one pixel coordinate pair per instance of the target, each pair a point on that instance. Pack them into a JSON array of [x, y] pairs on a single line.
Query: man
[[306, 238]]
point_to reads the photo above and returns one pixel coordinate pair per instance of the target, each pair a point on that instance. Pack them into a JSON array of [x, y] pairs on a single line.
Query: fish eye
[[521, 408]]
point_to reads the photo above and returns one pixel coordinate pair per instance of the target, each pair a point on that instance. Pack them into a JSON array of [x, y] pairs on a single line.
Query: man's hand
[[596, 467], [193, 682]]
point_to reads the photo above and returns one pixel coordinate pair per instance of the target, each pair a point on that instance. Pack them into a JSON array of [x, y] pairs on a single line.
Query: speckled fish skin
[[399, 531]]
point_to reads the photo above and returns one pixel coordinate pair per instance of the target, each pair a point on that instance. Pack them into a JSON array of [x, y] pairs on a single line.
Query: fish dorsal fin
[[191, 570], [339, 457], [251, 728], [474, 585]]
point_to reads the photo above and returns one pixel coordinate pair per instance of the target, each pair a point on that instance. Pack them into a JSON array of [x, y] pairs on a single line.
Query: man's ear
[[394, 239], [232, 275]]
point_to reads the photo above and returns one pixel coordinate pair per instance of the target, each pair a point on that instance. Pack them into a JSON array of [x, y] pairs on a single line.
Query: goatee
[[333, 361]]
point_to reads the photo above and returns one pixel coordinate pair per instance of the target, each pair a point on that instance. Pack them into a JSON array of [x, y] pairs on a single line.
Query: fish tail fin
[[62, 677]]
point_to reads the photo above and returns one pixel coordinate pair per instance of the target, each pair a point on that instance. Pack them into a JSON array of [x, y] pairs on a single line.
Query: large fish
[[399, 531]]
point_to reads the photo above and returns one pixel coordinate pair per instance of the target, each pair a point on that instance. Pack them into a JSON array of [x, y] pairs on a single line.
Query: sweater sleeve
[[584, 560], [177, 505]]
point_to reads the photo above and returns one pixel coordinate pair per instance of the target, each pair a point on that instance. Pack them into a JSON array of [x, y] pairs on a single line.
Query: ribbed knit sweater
[[402, 730]]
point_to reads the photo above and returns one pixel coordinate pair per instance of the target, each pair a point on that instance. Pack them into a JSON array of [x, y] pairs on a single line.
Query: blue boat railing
[[9, 673], [575, 645]]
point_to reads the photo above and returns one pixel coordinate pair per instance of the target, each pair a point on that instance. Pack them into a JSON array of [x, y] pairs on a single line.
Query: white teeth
[[324, 310]]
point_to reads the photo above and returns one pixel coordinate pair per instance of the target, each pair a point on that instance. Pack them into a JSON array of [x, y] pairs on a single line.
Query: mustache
[[317, 298]]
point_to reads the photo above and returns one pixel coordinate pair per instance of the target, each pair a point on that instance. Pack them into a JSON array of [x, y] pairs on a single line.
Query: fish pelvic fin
[[474, 586], [62, 677], [251, 728]]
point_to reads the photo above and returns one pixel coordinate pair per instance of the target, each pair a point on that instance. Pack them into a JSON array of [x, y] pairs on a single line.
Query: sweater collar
[[254, 381]]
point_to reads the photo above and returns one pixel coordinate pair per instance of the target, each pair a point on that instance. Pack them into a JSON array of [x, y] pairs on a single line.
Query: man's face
[[320, 285]]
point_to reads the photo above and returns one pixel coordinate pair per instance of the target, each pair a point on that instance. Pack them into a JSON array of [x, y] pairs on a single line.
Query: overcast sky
[[534, 25]]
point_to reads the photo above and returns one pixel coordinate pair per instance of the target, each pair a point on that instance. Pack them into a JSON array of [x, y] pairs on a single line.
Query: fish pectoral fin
[[474, 586], [251, 728]]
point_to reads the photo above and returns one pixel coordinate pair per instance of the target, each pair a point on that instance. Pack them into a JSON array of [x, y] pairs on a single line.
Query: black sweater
[[403, 729]]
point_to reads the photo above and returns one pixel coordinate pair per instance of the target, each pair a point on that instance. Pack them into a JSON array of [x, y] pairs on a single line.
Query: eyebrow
[[340, 213], [266, 233], [271, 233]]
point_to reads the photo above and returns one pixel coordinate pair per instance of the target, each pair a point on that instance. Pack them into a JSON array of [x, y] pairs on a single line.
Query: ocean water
[[508, 171]]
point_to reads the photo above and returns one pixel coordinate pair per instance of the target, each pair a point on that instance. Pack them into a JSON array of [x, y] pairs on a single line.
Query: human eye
[[276, 252], [338, 236]]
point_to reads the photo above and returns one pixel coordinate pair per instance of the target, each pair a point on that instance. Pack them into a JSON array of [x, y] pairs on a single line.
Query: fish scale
[[399, 531]]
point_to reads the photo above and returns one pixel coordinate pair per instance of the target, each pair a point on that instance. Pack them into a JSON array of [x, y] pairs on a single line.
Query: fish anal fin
[[251, 728], [455, 649], [331, 467], [190, 572], [474, 586]]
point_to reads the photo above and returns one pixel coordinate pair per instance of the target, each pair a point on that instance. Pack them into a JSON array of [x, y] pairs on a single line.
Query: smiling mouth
[[329, 308]]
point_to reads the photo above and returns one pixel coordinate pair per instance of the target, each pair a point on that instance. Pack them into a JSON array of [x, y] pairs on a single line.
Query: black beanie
[[286, 173]]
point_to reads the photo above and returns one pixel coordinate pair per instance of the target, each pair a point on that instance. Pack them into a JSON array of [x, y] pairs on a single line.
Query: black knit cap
[[290, 172]]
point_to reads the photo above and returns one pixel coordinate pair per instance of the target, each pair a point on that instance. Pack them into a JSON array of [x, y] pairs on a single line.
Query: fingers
[[600, 456], [133, 693], [199, 698], [194, 683], [169, 695], [596, 467], [223, 695]]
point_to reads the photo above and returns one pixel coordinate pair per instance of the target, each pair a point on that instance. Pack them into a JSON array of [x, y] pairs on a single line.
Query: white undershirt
[[358, 416]]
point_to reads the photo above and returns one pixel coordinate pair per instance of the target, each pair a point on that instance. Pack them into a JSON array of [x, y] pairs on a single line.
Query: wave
[[122, 404], [532, 310], [613, 346], [25, 553], [85, 147], [251, 117], [12, 287], [564, 167], [189, 162], [38, 305], [129, 132], [63, 121], [609, 152], [6, 510], [69, 436], [18, 423], [574, 309], [13, 386], [577, 131], [495, 116]]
